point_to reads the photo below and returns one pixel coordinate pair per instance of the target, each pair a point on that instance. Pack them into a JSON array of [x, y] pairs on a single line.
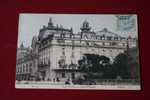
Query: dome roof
[[85, 22], [85, 26]]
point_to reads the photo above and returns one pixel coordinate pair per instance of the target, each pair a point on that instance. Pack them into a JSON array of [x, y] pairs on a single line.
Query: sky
[[30, 24]]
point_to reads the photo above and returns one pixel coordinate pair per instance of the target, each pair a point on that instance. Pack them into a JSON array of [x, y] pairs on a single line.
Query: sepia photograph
[[78, 51]]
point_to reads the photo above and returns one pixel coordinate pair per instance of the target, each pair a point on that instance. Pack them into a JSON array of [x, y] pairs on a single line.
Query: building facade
[[27, 64], [58, 50]]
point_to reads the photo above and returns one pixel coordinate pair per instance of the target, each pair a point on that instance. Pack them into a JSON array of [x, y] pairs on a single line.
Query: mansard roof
[[56, 27], [107, 33], [52, 29]]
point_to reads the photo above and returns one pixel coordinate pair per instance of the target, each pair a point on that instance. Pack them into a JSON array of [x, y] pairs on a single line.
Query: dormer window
[[109, 38], [115, 38], [103, 37]]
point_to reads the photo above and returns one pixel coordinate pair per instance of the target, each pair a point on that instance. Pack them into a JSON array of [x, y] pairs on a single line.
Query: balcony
[[43, 66], [71, 67]]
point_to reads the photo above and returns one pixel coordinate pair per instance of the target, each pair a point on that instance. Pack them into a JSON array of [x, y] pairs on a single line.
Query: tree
[[94, 66], [120, 66]]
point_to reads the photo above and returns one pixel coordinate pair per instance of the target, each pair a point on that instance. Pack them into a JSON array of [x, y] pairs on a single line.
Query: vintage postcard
[[78, 51]]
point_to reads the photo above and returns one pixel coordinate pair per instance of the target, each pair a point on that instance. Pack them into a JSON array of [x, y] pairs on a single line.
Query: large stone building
[[57, 50], [26, 63]]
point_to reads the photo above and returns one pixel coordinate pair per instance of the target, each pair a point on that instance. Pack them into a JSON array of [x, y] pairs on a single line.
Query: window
[[72, 56], [63, 75], [100, 37], [30, 67], [103, 43], [27, 68], [103, 50], [113, 43], [63, 51], [73, 75], [93, 50], [123, 44], [20, 69], [115, 38], [103, 37], [109, 38], [72, 47], [48, 62], [23, 68], [97, 37]]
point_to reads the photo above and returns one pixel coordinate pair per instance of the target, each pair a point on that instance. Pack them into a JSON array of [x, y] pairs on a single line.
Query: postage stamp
[[126, 22]]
